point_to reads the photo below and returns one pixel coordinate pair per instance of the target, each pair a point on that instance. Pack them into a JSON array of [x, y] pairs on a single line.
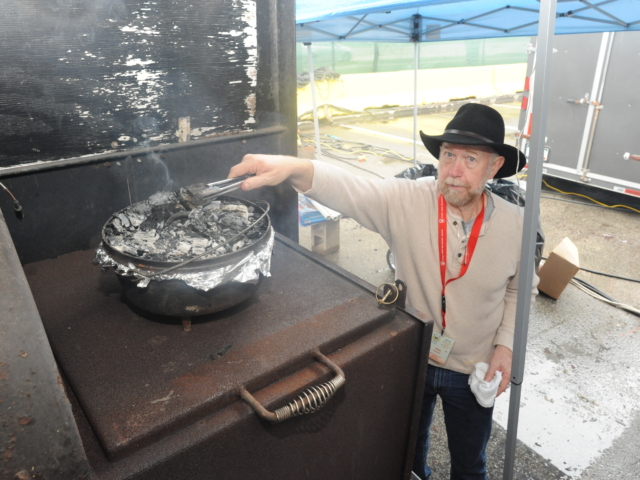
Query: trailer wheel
[[391, 261]]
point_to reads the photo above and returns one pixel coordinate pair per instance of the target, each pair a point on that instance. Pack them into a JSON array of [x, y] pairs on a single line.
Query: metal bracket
[[402, 294], [584, 177], [392, 293], [416, 27]]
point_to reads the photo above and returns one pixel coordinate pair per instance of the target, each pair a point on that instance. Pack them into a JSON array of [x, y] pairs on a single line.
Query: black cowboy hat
[[477, 124]]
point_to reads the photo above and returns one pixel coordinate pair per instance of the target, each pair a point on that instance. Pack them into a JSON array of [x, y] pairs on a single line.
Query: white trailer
[[593, 121]]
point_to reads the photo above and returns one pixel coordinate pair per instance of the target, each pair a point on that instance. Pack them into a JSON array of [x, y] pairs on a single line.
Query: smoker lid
[[139, 377]]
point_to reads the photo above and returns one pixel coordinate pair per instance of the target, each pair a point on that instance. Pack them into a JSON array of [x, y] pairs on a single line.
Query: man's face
[[463, 171]]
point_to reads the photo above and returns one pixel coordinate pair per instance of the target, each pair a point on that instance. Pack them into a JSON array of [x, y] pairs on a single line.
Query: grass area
[[369, 57]]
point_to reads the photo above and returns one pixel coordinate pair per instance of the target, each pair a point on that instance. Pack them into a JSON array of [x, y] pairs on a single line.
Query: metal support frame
[[594, 101], [415, 102], [382, 26], [312, 82], [531, 212], [355, 26], [416, 24]]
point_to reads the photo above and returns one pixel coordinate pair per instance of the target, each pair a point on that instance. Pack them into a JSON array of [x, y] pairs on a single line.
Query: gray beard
[[459, 198]]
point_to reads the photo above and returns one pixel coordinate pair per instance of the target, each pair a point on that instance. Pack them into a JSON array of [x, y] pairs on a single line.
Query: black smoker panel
[[155, 401]]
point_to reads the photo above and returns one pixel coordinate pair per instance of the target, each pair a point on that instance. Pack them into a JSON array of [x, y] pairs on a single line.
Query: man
[[456, 246]]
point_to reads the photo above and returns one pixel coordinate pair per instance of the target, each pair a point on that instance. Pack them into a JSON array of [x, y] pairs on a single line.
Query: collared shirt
[[481, 305]]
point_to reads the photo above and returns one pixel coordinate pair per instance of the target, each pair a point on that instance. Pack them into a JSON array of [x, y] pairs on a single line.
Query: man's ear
[[497, 165]]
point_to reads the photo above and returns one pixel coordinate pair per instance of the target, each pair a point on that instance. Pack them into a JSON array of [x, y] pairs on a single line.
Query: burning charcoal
[[182, 195], [237, 208], [136, 219], [197, 215], [212, 219], [196, 188], [160, 214], [162, 229], [162, 198], [126, 249], [198, 222], [215, 205], [233, 221], [124, 220], [145, 240], [115, 241], [199, 246], [219, 250], [141, 208], [183, 247], [116, 226]]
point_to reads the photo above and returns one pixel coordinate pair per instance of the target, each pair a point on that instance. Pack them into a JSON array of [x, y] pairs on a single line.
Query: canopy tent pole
[[416, 32], [540, 108], [316, 128], [416, 60]]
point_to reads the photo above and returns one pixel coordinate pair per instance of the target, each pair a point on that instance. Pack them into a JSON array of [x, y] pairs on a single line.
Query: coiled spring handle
[[309, 401]]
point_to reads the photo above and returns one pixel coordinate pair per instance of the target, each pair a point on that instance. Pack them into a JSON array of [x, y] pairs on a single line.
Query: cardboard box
[[307, 152], [559, 269]]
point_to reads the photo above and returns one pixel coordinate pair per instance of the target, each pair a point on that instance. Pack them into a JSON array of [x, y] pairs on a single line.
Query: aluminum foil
[[247, 270]]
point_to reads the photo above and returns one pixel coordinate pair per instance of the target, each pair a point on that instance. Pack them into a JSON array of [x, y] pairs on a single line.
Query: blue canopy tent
[[389, 21], [421, 21]]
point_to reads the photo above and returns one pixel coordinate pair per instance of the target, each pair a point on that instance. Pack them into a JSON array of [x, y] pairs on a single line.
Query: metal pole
[[546, 27], [313, 98], [416, 60], [598, 81]]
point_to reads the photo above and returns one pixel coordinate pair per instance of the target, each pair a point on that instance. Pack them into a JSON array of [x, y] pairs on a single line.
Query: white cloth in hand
[[485, 392]]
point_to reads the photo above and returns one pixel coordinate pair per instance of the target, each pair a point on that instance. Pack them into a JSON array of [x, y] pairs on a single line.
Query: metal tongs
[[223, 186], [201, 193]]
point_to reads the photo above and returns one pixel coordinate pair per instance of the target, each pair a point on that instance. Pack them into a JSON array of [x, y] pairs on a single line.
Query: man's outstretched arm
[[270, 170]]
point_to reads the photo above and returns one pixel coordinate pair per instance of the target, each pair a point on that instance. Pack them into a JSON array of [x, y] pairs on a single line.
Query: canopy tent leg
[[540, 108], [316, 128], [416, 65]]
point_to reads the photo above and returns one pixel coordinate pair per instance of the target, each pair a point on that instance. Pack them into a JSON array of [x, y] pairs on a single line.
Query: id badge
[[440, 348]]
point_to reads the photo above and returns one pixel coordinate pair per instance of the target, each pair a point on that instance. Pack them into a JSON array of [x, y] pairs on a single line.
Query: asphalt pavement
[[579, 411]]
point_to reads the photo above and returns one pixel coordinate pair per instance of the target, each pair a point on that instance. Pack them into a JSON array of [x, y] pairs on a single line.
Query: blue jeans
[[468, 425]]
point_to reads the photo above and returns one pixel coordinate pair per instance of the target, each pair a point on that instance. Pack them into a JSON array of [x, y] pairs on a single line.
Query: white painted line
[[373, 132]]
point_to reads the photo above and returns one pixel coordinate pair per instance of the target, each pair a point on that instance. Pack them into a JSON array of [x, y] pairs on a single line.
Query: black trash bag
[[420, 170], [511, 192]]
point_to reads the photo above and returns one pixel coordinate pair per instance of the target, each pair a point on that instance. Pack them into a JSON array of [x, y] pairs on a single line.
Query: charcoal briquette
[[161, 228]]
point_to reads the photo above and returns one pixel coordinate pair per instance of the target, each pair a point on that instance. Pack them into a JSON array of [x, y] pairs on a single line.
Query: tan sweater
[[481, 305]]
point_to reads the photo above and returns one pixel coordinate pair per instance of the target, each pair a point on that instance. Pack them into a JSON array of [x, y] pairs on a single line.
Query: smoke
[[164, 177], [147, 127]]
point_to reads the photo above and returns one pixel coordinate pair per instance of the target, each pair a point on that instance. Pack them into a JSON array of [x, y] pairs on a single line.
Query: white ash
[[162, 198], [167, 228]]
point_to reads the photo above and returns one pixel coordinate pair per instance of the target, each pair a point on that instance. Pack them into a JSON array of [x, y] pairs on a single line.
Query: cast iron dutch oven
[[174, 297]]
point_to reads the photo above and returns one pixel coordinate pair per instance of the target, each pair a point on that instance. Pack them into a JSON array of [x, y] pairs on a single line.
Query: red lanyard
[[442, 247]]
